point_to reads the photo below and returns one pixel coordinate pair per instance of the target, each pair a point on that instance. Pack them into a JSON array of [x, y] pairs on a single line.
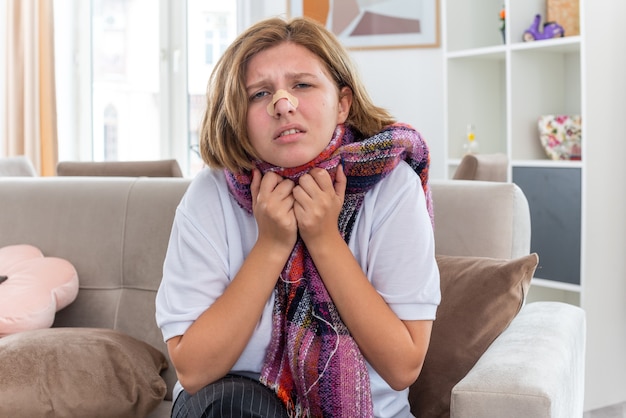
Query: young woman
[[300, 278]]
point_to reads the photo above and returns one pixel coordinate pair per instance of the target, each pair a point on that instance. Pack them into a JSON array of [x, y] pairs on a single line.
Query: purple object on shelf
[[550, 30]]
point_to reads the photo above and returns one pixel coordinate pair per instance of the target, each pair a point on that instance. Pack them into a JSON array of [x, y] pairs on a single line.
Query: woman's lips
[[289, 132]]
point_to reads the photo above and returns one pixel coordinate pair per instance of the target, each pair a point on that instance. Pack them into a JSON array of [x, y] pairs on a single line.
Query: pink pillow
[[35, 288]]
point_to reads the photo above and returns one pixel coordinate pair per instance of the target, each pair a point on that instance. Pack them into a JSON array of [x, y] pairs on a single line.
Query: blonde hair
[[224, 139]]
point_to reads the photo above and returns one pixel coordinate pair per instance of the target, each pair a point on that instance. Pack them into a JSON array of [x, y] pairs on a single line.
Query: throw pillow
[[79, 372], [479, 299], [35, 288]]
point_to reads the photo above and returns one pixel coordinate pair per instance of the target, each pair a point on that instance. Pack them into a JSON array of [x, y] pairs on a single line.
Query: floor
[[613, 411]]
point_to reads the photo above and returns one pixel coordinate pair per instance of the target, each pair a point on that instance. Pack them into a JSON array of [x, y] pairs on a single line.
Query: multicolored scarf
[[312, 362]]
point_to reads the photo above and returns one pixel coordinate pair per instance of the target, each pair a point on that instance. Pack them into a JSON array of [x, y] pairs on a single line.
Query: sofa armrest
[[535, 368]]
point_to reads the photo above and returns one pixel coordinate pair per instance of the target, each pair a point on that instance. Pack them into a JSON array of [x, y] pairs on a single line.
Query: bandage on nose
[[281, 94]]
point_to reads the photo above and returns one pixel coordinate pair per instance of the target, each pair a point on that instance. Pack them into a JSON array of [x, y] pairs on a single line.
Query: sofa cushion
[[79, 372], [33, 288], [479, 299]]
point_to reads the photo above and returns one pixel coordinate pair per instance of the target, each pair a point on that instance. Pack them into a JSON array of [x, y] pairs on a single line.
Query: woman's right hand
[[214, 342], [272, 206]]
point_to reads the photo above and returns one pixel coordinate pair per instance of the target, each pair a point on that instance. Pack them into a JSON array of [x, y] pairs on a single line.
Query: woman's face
[[294, 127]]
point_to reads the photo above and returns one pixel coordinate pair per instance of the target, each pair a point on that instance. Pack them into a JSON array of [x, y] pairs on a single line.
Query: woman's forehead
[[289, 60]]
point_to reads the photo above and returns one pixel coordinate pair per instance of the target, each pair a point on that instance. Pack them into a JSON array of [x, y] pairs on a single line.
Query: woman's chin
[[291, 161]]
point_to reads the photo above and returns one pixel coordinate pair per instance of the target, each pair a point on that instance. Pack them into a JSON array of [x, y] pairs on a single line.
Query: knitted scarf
[[313, 363]]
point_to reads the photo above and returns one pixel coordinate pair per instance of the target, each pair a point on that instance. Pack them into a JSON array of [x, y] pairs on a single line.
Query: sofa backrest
[[154, 168], [115, 232]]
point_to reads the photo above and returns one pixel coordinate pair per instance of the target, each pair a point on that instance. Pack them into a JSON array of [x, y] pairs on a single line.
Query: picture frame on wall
[[375, 24]]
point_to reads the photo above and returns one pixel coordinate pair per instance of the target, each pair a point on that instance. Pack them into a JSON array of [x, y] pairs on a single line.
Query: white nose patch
[[281, 94]]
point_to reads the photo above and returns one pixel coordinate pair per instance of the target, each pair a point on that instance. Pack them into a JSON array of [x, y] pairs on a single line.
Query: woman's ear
[[345, 102]]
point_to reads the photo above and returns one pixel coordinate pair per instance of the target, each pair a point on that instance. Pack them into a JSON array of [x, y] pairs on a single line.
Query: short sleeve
[[394, 243]]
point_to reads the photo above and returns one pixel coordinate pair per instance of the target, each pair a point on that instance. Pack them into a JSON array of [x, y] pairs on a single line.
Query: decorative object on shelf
[[560, 136], [470, 146], [567, 13], [503, 23], [549, 30]]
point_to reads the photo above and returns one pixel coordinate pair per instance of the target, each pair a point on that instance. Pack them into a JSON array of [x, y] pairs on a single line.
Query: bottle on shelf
[[470, 146]]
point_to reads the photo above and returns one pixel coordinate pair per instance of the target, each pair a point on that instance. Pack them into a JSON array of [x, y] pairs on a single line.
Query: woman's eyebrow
[[289, 76]]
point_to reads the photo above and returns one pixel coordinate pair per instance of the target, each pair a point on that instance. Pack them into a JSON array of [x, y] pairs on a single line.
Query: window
[[132, 76], [110, 133], [211, 28], [216, 35]]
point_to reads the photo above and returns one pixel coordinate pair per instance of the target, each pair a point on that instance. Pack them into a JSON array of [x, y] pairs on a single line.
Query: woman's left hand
[[318, 203], [399, 356]]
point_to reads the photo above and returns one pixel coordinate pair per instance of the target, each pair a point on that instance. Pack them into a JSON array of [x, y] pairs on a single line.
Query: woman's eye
[[259, 95], [302, 85]]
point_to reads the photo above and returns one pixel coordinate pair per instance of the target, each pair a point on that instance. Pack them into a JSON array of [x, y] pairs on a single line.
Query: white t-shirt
[[392, 240]]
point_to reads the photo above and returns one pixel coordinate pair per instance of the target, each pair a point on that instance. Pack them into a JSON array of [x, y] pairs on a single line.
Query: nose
[[283, 106], [282, 103]]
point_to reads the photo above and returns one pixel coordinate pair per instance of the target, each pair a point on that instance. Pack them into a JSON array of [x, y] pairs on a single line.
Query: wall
[[604, 228], [408, 82]]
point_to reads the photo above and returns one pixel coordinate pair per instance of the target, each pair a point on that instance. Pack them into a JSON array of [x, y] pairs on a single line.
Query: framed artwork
[[374, 24]]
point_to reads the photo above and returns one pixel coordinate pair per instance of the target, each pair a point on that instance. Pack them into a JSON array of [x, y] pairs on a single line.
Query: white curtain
[[30, 101]]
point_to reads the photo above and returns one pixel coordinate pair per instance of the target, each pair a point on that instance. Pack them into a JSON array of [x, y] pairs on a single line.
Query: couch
[[149, 168], [18, 166], [115, 230], [487, 167]]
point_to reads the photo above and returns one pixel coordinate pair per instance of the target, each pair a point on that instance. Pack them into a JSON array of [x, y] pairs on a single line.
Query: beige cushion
[[36, 287], [79, 372], [479, 298]]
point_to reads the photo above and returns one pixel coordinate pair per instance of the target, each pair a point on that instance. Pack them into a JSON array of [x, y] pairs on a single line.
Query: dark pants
[[231, 396]]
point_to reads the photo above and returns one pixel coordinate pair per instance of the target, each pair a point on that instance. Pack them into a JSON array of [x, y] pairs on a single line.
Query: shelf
[[468, 25], [532, 163], [503, 88], [551, 46], [537, 292], [552, 284], [547, 163], [559, 45], [564, 45], [474, 80], [543, 81], [491, 52]]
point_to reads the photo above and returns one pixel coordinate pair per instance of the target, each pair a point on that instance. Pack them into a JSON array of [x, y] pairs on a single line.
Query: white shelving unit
[[502, 87]]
